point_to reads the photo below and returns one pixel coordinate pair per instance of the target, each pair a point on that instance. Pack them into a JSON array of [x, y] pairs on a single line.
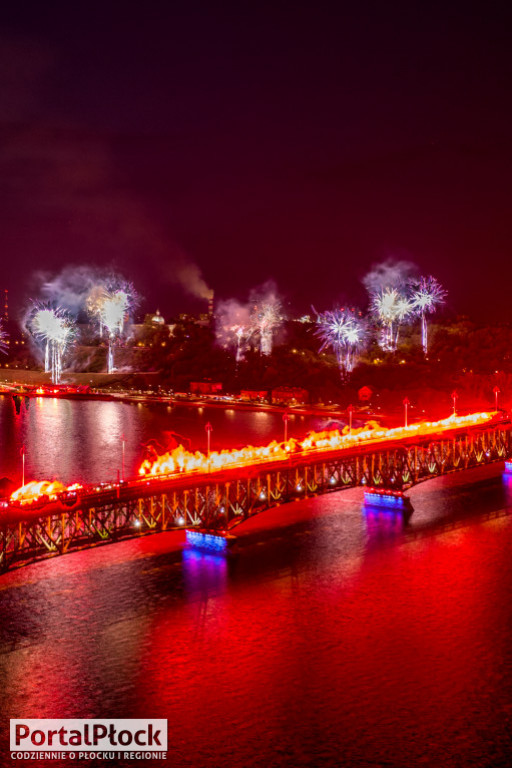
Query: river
[[336, 636]]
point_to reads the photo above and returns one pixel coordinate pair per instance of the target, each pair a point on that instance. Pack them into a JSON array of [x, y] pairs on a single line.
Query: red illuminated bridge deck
[[217, 493]]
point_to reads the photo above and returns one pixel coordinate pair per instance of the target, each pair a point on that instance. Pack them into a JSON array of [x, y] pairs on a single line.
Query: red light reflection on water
[[389, 664], [332, 645]]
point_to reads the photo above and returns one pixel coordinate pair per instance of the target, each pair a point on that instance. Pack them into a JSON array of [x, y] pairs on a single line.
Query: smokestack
[[6, 305], [210, 304]]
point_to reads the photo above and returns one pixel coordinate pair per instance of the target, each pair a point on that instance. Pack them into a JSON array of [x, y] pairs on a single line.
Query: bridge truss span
[[222, 500]]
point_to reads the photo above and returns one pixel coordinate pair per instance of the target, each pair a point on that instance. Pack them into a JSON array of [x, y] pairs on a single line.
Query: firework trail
[[391, 309], [355, 340], [236, 323], [3, 340], [233, 326], [55, 328], [384, 306], [266, 314], [113, 308], [344, 334], [109, 305], [94, 304], [403, 313], [427, 295], [242, 333], [266, 319]]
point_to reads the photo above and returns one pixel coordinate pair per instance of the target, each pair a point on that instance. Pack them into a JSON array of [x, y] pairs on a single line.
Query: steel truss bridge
[[219, 501]]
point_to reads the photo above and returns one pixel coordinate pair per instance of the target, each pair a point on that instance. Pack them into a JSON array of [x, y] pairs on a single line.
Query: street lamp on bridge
[[209, 430], [350, 411], [123, 442], [496, 391], [286, 419], [406, 402], [455, 397]]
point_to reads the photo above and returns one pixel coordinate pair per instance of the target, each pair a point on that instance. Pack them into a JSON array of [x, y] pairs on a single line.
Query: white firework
[[344, 334], [110, 308], [56, 329], [266, 319], [392, 308], [427, 295]]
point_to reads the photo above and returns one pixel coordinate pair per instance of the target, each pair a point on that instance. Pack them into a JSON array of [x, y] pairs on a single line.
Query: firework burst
[[384, 306], [427, 295], [55, 329], [112, 312], [391, 308], [266, 319], [242, 334], [404, 312], [344, 333], [110, 308], [3, 340], [94, 303]]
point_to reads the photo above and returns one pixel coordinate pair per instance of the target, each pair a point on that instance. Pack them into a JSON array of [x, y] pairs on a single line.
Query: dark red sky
[[258, 140]]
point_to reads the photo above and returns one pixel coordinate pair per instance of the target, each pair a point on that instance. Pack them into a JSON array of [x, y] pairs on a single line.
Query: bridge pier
[[209, 540], [387, 498]]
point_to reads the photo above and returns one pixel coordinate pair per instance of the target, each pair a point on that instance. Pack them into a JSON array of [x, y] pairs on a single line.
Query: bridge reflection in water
[[217, 502]]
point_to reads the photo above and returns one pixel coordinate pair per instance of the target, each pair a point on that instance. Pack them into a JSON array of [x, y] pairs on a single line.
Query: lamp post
[[496, 391], [209, 430], [123, 441], [22, 465], [406, 402], [350, 411], [286, 419], [454, 398]]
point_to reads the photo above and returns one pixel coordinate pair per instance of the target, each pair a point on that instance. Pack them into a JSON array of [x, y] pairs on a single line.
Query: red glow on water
[[390, 654]]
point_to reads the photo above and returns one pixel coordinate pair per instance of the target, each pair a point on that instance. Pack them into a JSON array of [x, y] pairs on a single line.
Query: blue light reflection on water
[[203, 572], [382, 524]]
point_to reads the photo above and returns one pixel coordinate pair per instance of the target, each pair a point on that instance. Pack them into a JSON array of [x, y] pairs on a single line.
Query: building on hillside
[[143, 332], [154, 318], [206, 387], [290, 396], [257, 395]]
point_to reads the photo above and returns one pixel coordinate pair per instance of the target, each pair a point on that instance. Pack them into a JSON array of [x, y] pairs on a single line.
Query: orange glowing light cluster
[[182, 461], [50, 489]]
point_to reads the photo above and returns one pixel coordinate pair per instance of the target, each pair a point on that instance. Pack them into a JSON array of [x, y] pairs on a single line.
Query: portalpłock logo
[[88, 739]]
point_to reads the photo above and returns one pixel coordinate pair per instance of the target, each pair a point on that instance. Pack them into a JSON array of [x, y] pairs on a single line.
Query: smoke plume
[[391, 273], [187, 274], [71, 288]]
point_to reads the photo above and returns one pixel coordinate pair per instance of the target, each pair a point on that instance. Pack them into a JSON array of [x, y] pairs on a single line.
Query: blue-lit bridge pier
[[221, 500]]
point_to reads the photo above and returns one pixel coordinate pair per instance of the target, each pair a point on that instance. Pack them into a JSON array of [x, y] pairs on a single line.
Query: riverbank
[[145, 388], [334, 412], [386, 407]]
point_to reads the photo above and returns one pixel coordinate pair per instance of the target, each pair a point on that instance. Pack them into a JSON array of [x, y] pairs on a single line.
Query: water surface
[[336, 636]]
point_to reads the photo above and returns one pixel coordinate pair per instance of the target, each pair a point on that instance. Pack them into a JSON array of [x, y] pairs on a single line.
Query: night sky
[[284, 140]]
